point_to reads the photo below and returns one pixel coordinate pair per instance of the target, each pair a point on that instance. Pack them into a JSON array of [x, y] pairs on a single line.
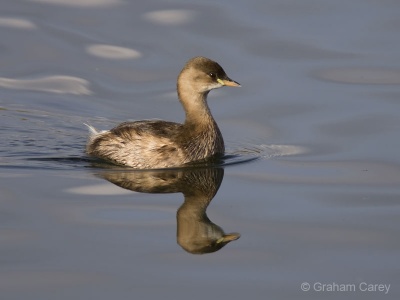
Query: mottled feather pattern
[[149, 143]]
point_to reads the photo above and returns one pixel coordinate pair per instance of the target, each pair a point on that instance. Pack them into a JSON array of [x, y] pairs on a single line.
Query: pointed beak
[[228, 82], [229, 237]]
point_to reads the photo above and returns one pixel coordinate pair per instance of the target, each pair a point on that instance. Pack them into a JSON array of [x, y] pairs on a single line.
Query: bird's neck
[[205, 137], [195, 106]]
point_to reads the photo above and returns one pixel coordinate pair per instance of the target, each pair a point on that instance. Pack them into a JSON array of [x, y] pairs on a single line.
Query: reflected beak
[[229, 237], [228, 82]]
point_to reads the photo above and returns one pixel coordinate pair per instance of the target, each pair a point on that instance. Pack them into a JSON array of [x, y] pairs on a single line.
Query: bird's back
[[154, 144], [141, 144]]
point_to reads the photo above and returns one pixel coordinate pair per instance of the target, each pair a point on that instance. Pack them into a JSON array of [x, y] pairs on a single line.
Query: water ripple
[[268, 151], [112, 52], [17, 23], [60, 84], [363, 75], [81, 3], [170, 16]]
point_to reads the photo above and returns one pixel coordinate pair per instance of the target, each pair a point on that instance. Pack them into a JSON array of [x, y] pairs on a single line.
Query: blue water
[[311, 177]]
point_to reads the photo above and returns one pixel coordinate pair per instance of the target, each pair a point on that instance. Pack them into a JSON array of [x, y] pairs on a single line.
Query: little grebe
[[154, 144]]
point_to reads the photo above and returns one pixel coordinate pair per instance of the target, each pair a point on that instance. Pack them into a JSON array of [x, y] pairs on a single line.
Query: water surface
[[310, 183]]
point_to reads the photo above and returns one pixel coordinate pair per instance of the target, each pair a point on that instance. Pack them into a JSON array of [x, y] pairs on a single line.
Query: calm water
[[311, 183]]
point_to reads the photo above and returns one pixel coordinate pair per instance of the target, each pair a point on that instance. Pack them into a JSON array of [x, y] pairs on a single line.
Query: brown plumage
[[154, 144]]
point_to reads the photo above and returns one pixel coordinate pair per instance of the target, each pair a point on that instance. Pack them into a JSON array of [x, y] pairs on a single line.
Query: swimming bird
[[155, 144]]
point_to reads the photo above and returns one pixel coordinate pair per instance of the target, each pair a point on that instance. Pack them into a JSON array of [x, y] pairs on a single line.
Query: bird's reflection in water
[[195, 231]]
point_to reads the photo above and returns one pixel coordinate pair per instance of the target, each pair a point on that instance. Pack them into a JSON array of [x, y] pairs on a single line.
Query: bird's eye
[[212, 75]]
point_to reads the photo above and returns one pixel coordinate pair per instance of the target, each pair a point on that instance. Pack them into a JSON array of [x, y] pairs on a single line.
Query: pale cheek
[[211, 86]]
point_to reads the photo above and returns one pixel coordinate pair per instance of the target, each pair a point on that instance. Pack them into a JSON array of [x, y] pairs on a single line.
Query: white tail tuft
[[93, 131]]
